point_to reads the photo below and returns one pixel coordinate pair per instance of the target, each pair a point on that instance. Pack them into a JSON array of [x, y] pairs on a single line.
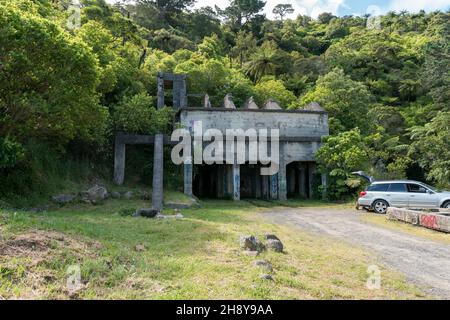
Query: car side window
[[397, 187], [415, 188], [380, 187]]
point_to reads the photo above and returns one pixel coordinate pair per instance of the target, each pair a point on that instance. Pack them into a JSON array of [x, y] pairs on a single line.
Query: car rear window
[[378, 187], [397, 187]]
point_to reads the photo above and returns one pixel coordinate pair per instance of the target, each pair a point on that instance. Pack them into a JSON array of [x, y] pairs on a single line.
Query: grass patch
[[197, 257], [406, 227]]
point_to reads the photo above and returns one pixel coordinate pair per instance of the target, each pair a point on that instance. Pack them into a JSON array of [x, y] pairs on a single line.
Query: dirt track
[[424, 262]]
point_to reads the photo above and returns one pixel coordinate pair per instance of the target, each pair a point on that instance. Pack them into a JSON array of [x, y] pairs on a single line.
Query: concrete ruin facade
[[300, 133]]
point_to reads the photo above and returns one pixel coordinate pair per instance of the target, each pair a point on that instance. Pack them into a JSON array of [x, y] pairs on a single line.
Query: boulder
[[263, 264], [251, 243], [269, 236], [94, 194], [275, 245], [146, 212], [128, 195], [64, 198], [266, 277], [115, 195]]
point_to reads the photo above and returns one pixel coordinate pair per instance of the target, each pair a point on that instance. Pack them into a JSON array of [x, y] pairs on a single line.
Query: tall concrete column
[[282, 192], [273, 186], [158, 158], [324, 186], [302, 181], [119, 162], [158, 176], [188, 169], [311, 169], [236, 182]]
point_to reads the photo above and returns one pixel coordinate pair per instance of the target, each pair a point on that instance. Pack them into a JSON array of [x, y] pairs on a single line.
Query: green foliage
[[10, 153], [431, 147], [70, 90], [275, 89], [346, 101], [339, 156], [137, 114]]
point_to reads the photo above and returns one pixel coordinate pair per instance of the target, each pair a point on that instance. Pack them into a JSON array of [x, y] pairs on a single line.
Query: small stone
[[251, 243], [266, 277], [115, 195], [146, 212], [64, 198], [263, 264], [128, 195], [275, 245], [94, 194], [139, 247]]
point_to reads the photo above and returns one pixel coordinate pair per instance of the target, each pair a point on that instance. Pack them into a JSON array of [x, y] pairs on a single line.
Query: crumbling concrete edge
[[439, 221]]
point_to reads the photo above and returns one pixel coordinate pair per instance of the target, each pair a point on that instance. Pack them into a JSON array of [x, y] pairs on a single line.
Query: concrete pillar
[[311, 169], [119, 162], [158, 175], [188, 169], [158, 158], [220, 184], [236, 182], [257, 183], [273, 186], [265, 186], [282, 192], [301, 182], [324, 186]]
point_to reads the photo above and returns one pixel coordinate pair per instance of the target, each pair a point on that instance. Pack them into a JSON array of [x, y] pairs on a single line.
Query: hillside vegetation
[[66, 88]]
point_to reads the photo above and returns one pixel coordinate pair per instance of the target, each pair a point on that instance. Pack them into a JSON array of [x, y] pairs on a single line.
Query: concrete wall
[[295, 123]]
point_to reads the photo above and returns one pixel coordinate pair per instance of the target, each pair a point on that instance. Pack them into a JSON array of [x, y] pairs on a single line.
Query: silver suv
[[402, 193]]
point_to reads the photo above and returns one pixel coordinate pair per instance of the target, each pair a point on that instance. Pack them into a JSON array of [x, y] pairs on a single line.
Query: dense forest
[[67, 86]]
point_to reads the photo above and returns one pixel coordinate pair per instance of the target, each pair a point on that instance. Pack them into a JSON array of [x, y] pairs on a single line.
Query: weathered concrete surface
[[424, 262], [436, 221]]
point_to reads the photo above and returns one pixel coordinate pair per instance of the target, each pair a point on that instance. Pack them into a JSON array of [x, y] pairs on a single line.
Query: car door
[[421, 197], [397, 195]]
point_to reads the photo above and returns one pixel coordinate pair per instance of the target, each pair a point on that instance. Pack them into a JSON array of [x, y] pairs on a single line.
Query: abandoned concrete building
[[300, 133]]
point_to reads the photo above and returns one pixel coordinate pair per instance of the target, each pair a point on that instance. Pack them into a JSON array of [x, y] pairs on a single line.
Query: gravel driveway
[[424, 262]]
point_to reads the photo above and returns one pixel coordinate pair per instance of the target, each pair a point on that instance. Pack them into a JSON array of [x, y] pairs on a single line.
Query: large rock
[[275, 245], [115, 195], [146, 212], [269, 236], [94, 194], [263, 264], [64, 198], [251, 243]]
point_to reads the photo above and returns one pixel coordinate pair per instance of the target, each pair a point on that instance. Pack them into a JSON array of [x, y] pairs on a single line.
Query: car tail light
[[362, 193]]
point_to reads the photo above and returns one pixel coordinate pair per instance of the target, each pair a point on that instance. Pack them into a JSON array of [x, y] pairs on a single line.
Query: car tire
[[446, 205], [380, 206]]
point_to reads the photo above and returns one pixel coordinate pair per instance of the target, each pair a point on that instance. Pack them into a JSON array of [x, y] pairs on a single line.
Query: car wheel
[[446, 205], [380, 206]]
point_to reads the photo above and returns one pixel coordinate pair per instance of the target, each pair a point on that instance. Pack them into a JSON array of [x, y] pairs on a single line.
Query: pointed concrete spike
[[228, 102], [313, 106], [271, 104], [250, 104], [206, 102]]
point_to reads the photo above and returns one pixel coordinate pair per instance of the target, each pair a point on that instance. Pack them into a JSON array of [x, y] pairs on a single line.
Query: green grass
[[197, 257]]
